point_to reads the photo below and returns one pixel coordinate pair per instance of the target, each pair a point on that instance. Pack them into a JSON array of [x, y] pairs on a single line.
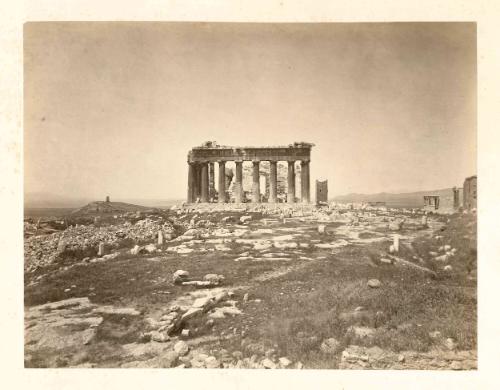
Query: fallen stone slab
[[331, 245], [284, 362], [286, 237], [374, 283], [184, 238], [83, 302], [361, 331], [199, 306], [241, 258], [150, 248], [262, 231], [159, 336], [247, 241], [412, 265], [214, 278], [442, 258], [272, 259], [221, 312], [62, 325], [181, 348], [191, 313], [222, 248], [215, 241], [111, 256], [192, 232], [180, 276], [269, 364], [184, 251], [276, 254], [136, 250], [203, 302], [125, 311], [396, 225], [198, 360], [285, 245], [199, 283], [212, 362]]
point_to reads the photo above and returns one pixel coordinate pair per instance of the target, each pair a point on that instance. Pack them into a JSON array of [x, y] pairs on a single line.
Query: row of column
[[200, 182]]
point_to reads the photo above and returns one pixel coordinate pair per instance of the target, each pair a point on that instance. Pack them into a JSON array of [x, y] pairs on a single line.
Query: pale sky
[[113, 108]]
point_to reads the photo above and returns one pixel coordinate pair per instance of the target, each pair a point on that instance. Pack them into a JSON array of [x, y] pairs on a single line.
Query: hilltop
[[103, 207]]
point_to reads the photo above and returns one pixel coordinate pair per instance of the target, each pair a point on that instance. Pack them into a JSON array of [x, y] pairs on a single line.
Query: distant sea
[[40, 212]]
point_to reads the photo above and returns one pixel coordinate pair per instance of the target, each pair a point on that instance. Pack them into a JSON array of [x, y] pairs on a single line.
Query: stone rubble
[[211, 302], [330, 346], [360, 358], [43, 250]]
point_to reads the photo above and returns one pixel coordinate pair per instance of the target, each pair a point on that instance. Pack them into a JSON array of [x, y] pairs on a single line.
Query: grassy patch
[[301, 309]]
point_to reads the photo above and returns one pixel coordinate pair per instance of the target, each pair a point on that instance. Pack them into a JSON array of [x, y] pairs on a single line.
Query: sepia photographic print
[[250, 195]]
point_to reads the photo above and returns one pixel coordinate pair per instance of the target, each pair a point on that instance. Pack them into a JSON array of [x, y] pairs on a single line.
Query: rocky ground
[[214, 286]]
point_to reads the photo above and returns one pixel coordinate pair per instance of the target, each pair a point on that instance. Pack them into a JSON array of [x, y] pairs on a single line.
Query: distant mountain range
[[407, 199]]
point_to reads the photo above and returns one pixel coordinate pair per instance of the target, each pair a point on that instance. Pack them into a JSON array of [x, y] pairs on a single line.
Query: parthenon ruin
[[201, 171]]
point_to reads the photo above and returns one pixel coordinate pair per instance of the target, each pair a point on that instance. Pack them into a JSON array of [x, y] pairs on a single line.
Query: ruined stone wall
[[321, 191], [446, 202], [470, 193]]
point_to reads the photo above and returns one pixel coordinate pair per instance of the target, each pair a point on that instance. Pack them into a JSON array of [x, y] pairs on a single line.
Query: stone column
[[396, 242], [304, 181], [190, 194], [456, 198], [290, 198], [238, 184], [102, 250], [211, 179], [273, 182], [222, 182], [196, 182], [204, 182], [256, 182]]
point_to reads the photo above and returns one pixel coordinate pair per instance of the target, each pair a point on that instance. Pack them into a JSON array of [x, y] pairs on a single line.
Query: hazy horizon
[[113, 108], [49, 200]]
